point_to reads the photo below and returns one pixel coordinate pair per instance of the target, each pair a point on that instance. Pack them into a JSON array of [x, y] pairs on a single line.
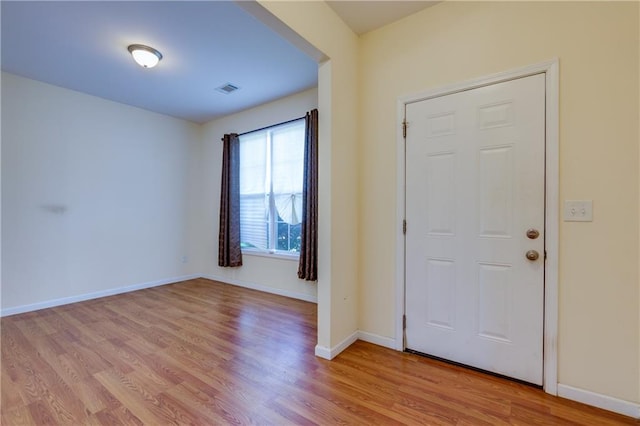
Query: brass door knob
[[532, 234], [532, 255]]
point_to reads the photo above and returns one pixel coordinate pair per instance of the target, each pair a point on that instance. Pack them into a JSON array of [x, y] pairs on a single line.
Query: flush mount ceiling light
[[145, 56]]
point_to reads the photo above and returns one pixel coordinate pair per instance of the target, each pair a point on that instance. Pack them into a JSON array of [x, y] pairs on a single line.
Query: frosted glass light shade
[[145, 56]]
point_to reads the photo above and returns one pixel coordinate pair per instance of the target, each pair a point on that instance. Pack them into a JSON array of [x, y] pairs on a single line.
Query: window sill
[[272, 255]]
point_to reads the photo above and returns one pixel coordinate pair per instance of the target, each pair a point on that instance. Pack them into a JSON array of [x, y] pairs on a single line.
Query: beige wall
[[338, 180], [272, 274], [597, 46]]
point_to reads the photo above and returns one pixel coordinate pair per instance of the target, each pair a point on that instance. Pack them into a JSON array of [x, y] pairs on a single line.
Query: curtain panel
[[308, 266], [229, 251]]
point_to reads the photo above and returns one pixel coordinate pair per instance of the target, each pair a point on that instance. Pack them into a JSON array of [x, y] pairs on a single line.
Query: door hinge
[[545, 255], [404, 129], [404, 322], [404, 227]]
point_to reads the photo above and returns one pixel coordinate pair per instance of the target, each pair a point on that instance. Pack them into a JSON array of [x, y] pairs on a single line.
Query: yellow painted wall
[[598, 49], [338, 306], [597, 46]]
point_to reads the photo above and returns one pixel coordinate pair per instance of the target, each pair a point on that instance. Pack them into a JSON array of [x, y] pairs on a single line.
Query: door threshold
[[469, 367]]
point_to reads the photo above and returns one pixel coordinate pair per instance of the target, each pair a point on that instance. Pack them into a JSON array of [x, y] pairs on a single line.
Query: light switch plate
[[578, 210]]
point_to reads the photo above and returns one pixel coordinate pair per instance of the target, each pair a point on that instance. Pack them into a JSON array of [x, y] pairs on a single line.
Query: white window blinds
[[271, 181]]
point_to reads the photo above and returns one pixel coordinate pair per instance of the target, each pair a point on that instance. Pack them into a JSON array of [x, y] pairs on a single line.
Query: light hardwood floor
[[201, 352]]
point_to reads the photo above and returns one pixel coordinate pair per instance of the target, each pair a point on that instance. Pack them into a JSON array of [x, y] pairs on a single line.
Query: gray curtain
[[308, 266], [229, 252]]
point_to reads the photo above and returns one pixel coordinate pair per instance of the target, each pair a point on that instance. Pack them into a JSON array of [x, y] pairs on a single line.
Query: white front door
[[474, 188]]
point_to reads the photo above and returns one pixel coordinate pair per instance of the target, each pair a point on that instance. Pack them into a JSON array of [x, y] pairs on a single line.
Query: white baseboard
[[330, 353], [376, 339], [326, 353], [605, 402], [119, 290], [88, 296], [323, 352], [264, 288]]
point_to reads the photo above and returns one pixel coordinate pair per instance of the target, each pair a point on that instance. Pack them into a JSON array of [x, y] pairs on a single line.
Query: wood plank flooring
[[201, 352]]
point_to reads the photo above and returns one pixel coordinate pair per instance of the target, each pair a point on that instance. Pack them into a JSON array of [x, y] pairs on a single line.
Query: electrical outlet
[[578, 210], [185, 259]]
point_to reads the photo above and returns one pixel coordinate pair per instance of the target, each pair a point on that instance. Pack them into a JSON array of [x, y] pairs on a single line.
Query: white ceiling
[[82, 45], [363, 16]]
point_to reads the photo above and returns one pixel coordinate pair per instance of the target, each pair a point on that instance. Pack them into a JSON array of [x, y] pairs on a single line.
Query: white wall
[[99, 197], [96, 195], [273, 274]]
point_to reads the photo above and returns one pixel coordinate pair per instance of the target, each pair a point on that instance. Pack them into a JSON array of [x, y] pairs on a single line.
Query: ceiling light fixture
[[145, 56]]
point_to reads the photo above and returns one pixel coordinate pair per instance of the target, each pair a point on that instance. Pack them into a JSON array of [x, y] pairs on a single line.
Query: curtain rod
[[268, 127]]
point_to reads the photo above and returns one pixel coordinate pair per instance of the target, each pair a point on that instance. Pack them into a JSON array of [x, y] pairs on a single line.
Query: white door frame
[[550, 68]]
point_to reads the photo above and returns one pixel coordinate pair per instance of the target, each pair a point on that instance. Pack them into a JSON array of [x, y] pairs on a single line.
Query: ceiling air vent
[[227, 88]]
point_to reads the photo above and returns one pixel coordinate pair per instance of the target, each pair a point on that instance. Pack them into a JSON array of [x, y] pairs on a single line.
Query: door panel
[[474, 186]]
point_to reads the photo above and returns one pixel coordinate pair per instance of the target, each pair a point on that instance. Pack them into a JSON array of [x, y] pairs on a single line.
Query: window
[[271, 180]]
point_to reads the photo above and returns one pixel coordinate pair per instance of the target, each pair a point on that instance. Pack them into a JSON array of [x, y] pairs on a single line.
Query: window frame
[[272, 221]]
